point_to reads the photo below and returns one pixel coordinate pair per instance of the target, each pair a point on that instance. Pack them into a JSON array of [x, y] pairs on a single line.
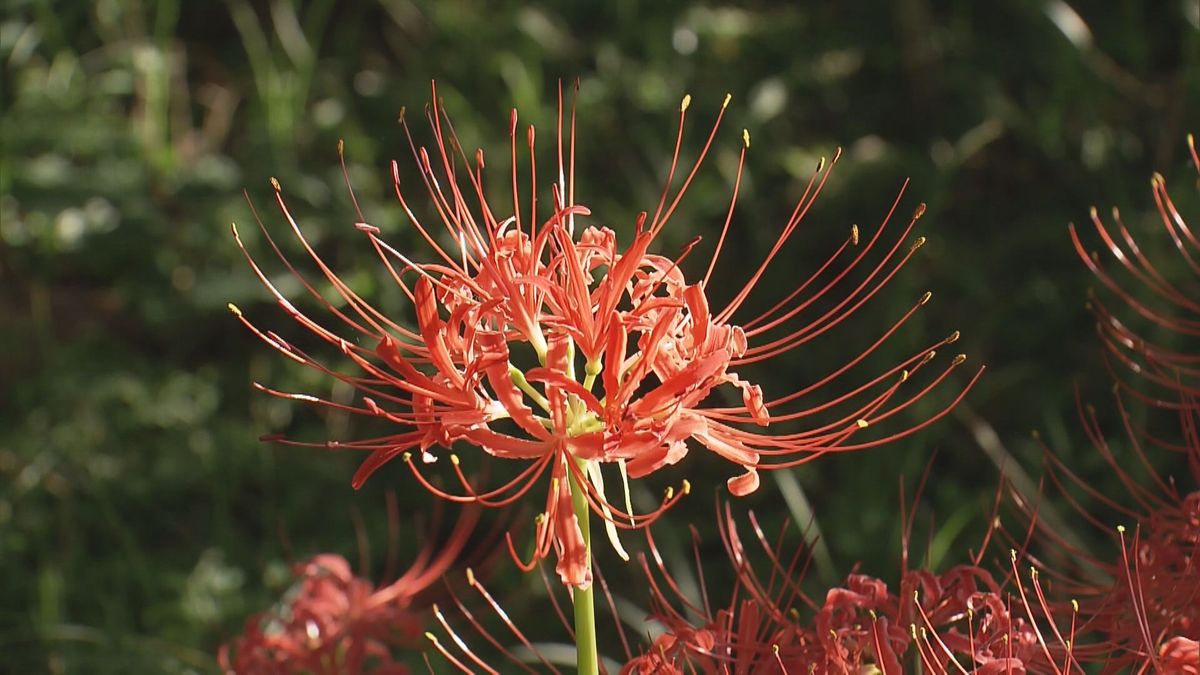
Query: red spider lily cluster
[[1143, 599], [959, 620], [538, 337], [625, 353], [332, 622]]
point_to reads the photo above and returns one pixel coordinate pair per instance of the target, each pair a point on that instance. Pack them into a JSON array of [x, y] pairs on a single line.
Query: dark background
[[140, 519]]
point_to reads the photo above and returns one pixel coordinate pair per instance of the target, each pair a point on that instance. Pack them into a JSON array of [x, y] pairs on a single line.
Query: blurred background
[[141, 521]]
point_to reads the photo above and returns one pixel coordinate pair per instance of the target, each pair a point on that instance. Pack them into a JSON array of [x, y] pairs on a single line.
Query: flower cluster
[[1143, 598], [331, 621], [541, 339]]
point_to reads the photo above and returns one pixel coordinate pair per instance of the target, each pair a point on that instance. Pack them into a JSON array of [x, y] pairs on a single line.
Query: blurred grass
[[140, 521]]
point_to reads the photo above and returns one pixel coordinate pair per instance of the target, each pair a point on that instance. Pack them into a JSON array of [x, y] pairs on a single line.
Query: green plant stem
[[586, 654]]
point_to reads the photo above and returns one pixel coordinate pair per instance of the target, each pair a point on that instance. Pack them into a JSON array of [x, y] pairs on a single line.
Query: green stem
[[586, 654]]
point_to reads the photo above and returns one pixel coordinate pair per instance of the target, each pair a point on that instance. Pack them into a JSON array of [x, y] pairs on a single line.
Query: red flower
[[333, 622], [960, 620], [1141, 599], [540, 339]]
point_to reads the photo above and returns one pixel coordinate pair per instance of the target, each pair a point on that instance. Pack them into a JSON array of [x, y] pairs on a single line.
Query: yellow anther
[[1012, 553], [775, 649], [904, 375], [407, 456], [1121, 529], [872, 613], [746, 137], [920, 211], [275, 184], [234, 308], [854, 235], [952, 338], [670, 492], [925, 298], [341, 146], [1075, 605], [1033, 573], [918, 243], [687, 486], [471, 577], [725, 103], [862, 424], [959, 359], [687, 100], [431, 637], [820, 164], [454, 460]]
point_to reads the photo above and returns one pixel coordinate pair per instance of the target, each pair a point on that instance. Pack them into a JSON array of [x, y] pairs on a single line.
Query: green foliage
[[140, 521]]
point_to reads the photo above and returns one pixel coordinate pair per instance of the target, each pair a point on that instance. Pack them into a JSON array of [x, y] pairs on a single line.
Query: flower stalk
[[586, 650]]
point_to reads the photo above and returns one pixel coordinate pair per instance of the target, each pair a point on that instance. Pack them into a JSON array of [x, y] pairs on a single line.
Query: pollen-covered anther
[[919, 211], [407, 457], [687, 101], [471, 577], [862, 424], [925, 298], [918, 243], [854, 235], [275, 184], [725, 103], [234, 308], [454, 459], [746, 137], [958, 360], [670, 492], [687, 487]]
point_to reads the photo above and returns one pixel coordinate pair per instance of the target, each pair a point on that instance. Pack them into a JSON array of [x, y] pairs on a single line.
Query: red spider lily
[[1166, 303], [332, 622], [630, 356], [961, 620], [1146, 592], [1145, 595]]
